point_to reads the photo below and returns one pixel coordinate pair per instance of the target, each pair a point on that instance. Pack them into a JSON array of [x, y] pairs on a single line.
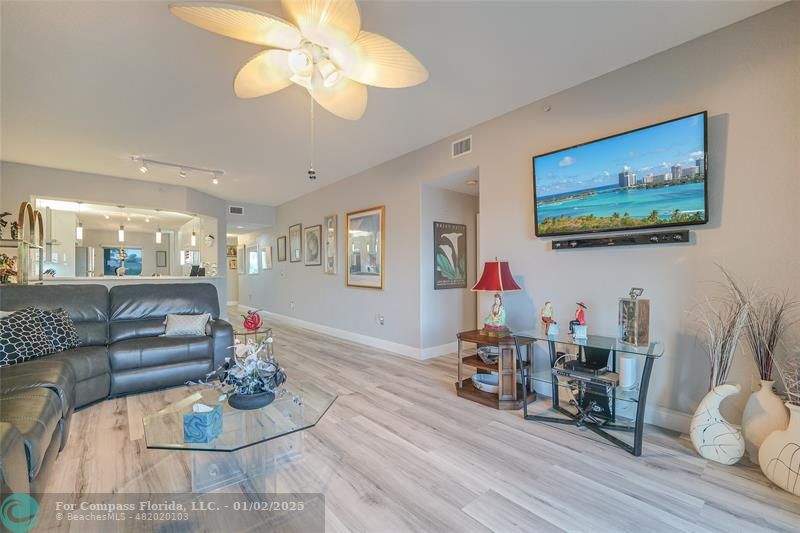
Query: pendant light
[[79, 227], [121, 233], [194, 239], [158, 236], [312, 174]]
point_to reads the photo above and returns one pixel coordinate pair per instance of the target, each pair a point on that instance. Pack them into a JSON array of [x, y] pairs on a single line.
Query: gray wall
[[745, 75], [445, 311]]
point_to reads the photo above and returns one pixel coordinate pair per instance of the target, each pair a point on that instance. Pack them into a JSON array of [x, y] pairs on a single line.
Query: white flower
[[448, 251], [453, 238]]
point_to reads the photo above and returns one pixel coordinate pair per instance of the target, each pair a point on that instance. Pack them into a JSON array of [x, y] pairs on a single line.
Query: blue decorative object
[[202, 425]]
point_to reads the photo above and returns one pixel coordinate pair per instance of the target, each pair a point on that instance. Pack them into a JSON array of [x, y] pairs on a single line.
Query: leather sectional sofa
[[122, 351]]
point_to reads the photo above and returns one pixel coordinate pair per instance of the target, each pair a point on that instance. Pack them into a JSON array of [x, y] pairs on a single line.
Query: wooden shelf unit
[[510, 394]]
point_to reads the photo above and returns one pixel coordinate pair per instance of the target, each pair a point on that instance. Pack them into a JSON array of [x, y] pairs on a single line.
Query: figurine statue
[[547, 313], [580, 317], [496, 321]]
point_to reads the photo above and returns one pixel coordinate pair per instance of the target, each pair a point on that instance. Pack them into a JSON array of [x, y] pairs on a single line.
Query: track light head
[[182, 173], [143, 167]]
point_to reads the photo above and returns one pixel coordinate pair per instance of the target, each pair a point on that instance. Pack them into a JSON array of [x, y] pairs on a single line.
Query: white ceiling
[[87, 84]]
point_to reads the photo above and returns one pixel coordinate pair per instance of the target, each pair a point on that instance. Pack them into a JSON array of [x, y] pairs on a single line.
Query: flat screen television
[[646, 178]]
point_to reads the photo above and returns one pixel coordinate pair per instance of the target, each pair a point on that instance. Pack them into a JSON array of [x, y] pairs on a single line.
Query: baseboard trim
[[438, 351], [374, 342]]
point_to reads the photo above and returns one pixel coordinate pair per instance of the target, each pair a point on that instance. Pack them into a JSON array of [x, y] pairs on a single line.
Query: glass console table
[[609, 403]]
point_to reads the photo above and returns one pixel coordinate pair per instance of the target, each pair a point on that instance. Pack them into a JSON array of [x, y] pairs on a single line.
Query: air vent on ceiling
[[462, 147], [235, 210]]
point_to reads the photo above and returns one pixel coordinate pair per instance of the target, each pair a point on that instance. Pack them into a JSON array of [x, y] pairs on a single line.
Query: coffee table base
[[258, 464]]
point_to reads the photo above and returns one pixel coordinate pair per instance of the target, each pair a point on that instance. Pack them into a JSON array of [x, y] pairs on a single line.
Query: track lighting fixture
[[183, 170]]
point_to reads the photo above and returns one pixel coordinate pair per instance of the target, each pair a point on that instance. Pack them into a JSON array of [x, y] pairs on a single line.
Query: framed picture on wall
[[329, 249], [241, 258], [233, 263], [161, 259], [295, 243], [365, 246], [266, 258], [313, 251], [449, 255], [282, 248], [230, 250], [252, 259]]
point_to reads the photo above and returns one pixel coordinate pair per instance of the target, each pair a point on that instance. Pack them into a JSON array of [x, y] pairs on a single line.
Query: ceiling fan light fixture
[[301, 62], [330, 73]]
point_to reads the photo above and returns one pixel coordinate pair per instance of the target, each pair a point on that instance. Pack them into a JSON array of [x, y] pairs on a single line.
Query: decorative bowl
[[486, 382], [251, 401], [489, 354]]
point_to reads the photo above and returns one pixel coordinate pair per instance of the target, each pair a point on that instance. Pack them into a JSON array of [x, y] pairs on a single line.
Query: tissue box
[[203, 426]]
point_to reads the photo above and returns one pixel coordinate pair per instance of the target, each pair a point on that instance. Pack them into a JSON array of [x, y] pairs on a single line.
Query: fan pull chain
[[312, 174]]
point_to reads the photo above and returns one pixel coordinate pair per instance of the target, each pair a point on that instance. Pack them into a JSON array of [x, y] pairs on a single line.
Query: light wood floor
[[398, 451]]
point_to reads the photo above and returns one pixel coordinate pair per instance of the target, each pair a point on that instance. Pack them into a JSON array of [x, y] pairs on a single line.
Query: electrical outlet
[[379, 319]]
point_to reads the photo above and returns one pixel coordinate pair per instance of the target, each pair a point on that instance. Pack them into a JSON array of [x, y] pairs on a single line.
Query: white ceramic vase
[[763, 414], [713, 437], [779, 455]]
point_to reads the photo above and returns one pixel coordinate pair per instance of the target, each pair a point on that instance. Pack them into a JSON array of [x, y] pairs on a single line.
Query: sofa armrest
[[53, 374], [13, 461], [222, 333]]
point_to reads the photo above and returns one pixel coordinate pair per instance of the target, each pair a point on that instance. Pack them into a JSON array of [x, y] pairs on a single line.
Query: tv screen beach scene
[[650, 177]]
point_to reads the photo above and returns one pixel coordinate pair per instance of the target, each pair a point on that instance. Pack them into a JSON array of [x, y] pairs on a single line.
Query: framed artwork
[[449, 255], [252, 259], [130, 259], [365, 244], [266, 258], [230, 250], [233, 263], [329, 250], [161, 259], [295, 243], [241, 258], [313, 252], [282, 248]]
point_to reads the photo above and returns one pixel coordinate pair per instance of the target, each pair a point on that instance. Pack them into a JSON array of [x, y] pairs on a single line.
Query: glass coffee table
[[252, 443]]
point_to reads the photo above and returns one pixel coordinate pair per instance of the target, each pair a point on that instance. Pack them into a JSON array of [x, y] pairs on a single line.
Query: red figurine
[[252, 321], [580, 317]]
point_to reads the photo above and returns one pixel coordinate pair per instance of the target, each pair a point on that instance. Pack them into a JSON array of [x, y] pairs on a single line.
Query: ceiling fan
[[322, 49]]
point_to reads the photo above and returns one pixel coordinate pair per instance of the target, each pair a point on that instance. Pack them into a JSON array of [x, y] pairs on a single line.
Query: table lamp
[[496, 278]]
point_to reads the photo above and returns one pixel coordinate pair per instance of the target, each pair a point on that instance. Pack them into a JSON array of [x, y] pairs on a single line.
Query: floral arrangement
[[8, 268], [253, 369], [770, 317], [252, 320], [789, 370], [722, 322]]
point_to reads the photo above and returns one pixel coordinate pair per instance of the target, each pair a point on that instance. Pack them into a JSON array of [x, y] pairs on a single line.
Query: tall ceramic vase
[[763, 414], [713, 437], [779, 455]]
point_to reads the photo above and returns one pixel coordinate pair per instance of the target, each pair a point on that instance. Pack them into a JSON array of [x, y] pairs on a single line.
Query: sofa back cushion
[[86, 305], [139, 310]]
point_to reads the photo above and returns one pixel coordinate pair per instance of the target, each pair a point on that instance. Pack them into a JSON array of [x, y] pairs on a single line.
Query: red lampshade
[[496, 278]]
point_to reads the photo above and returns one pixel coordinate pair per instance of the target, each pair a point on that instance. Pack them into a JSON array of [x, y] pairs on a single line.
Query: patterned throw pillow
[[22, 337], [60, 330], [186, 325]]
